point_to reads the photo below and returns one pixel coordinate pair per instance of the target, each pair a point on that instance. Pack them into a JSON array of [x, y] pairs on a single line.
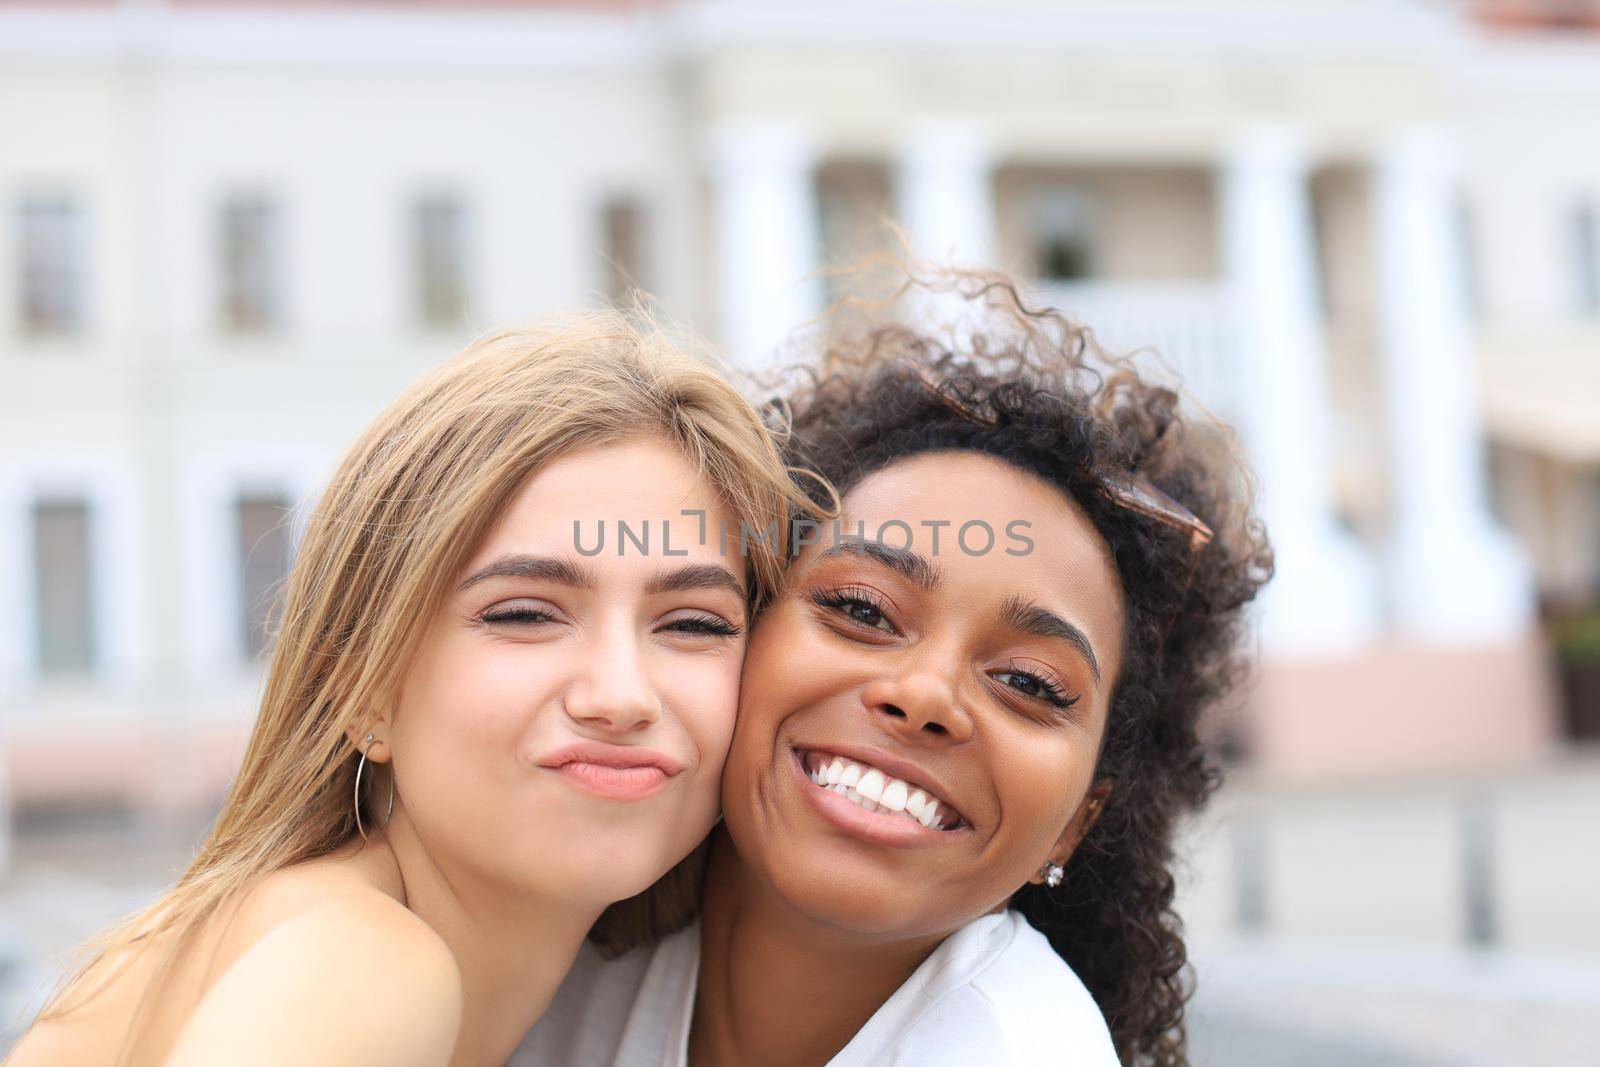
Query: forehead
[[646, 485], [1044, 546]]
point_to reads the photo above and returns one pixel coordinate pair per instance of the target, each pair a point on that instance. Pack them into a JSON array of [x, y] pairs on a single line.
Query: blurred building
[[1367, 234]]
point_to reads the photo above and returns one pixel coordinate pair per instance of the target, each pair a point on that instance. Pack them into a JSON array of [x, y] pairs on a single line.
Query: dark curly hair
[[1030, 387]]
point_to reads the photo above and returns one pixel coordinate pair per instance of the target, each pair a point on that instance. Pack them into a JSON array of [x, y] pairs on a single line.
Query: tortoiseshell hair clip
[[1127, 489]]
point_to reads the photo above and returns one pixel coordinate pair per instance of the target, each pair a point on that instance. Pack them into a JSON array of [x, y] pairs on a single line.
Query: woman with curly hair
[[967, 727]]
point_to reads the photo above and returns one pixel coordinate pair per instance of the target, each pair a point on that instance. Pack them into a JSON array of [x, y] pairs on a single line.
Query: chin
[[870, 906], [600, 868]]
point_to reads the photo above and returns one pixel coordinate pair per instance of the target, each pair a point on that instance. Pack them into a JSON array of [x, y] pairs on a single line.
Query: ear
[[1078, 827], [377, 728]]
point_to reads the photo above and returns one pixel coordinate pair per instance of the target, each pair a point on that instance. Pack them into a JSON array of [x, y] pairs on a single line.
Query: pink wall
[[1403, 708]]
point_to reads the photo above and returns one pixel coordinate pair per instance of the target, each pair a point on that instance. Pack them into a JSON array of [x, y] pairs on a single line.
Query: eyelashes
[[519, 615], [697, 625], [858, 605], [1038, 686], [863, 609], [705, 624]]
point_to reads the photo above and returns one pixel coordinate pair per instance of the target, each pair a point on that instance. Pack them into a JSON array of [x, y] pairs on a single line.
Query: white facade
[[1267, 188]]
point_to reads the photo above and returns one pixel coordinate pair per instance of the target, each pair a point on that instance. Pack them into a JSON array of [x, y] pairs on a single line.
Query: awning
[[1541, 392]]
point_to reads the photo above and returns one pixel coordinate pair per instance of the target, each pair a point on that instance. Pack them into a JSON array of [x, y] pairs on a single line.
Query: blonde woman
[[490, 714]]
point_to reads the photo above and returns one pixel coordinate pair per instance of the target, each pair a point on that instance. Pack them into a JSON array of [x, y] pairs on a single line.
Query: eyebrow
[[534, 568], [694, 576], [907, 564], [567, 572], [1030, 618]]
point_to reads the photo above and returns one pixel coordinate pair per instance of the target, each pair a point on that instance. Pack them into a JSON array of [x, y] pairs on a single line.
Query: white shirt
[[993, 992]]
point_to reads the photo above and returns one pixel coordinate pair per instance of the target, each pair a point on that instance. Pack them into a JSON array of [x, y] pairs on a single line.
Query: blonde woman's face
[[563, 725]]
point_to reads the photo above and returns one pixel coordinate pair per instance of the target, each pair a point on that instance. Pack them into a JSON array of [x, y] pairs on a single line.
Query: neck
[[513, 947], [777, 986]]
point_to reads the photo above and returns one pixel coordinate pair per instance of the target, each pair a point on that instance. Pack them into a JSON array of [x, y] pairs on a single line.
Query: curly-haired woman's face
[[919, 724]]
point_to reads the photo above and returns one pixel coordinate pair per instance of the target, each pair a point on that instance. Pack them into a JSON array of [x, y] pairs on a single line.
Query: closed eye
[[703, 625], [524, 616], [695, 625]]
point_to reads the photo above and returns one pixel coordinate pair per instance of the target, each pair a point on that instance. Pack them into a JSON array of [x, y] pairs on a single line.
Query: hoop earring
[[1053, 874], [362, 830]]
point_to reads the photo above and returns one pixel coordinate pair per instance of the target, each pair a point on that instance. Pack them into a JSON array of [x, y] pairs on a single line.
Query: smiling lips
[[615, 772], [876, 792]]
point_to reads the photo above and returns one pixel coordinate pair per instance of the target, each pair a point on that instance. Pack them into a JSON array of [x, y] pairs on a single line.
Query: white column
[[945, 193], [1324, 595], [765, 223], [1453, 574]]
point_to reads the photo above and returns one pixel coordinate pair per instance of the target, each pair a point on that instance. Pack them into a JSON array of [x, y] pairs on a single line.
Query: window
[[65, 620], [439, 243], [622, 222], [250, 264], [1062, 235], [1585, 226], [49, 265], [262, 521]]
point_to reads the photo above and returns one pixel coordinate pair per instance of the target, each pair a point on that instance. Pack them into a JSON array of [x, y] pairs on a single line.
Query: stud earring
[[1053, 874]]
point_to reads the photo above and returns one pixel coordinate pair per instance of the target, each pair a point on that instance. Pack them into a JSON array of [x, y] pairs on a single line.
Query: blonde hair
[[408, 504]]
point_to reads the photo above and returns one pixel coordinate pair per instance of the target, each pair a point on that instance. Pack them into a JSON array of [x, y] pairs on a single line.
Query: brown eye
[[1036, 687], [855, 606]]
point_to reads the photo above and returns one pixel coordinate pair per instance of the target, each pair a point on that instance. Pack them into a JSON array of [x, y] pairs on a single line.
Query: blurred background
[[1365, 232]]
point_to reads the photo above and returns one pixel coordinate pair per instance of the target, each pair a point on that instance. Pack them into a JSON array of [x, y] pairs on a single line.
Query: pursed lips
[[614, 772]]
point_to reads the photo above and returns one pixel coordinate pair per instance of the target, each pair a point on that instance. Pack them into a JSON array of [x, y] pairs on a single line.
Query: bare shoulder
[[347, 910], [310, 956], [314, 962], [303, 890]]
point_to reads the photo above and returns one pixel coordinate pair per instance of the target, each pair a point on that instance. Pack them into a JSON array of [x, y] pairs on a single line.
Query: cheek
[[1047, 808], [467, 693], [1039, 791], [702, 693], [1045, 804], [783, 671]]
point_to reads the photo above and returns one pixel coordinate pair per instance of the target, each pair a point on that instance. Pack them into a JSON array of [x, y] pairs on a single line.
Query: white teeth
[[871, 790], [915, 803]]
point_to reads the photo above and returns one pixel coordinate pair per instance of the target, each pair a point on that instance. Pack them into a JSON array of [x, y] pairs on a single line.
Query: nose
[[612, 692], [921, 703]]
